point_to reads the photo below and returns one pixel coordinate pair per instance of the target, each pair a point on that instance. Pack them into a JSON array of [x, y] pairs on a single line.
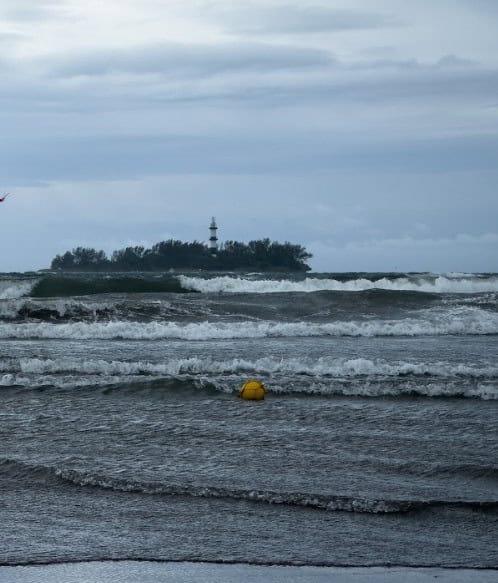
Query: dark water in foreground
[[121, 435]]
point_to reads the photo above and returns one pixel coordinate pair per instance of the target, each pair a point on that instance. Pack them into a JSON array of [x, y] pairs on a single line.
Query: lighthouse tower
[[213, 237]]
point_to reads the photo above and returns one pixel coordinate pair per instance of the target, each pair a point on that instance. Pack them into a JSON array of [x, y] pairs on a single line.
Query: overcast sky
[[366, 130]]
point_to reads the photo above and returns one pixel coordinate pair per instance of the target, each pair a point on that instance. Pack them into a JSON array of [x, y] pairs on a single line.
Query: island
[[259, 255]]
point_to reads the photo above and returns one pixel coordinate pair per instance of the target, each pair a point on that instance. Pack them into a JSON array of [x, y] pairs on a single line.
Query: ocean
[[123, 437]]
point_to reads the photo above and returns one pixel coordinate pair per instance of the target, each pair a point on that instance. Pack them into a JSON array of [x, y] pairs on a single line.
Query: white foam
[[434, 284], [459, 320], [325, 376], [321, 367], [11, 290], [10, 308]]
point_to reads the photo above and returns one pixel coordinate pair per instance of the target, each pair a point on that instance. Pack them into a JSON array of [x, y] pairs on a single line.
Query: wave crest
[[321, 367], [325, 376], [12, 290], [458, 321], [440, 284], [21, 470]]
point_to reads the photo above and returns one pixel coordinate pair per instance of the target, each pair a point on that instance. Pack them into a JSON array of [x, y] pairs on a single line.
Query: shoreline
[[149, 571], [229, 562]]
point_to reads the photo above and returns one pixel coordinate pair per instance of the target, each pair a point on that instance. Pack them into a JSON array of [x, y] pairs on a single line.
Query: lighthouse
[[213, 237]]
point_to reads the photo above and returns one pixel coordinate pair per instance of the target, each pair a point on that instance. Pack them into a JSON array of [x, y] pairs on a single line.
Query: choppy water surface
[[122, 436]]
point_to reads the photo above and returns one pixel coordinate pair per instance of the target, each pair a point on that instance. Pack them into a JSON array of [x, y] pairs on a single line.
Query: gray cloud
[[260, 74], [439, 254], [135, 156], [190, 59], [10, 38], [413, 83], [489, 6], [296, 18], [30, 10]]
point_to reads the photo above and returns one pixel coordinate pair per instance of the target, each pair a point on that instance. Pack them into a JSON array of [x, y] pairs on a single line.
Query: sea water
[[122, 436]]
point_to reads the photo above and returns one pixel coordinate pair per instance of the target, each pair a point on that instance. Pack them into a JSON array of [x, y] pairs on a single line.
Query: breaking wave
[[440, 284], [11, 290], [320, 377], [89, 284], [457, 321], [58, 309], [73, 309], [324, 366], [326, 502]]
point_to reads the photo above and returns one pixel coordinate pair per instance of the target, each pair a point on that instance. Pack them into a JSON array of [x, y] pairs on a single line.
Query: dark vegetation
[[261, 255]]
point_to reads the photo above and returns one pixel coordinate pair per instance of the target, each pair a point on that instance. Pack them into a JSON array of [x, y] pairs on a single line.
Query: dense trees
[[261, 255], [82, 258]]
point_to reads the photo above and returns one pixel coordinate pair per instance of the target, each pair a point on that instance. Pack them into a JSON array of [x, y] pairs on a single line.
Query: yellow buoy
[[253, 390]]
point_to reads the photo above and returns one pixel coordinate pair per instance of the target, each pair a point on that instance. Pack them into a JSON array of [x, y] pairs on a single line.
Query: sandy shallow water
[[152, 572]]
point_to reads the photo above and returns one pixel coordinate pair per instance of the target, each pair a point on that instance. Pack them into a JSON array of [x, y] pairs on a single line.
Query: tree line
[[260, 255]]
